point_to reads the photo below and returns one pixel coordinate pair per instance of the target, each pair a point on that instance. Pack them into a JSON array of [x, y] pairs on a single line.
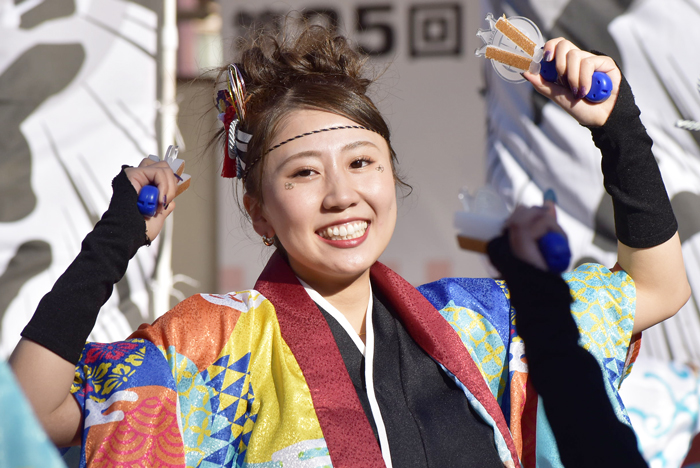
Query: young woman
[[332, 359]]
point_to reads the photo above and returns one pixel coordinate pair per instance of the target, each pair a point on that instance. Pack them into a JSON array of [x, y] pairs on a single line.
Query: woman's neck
[[349, 297]]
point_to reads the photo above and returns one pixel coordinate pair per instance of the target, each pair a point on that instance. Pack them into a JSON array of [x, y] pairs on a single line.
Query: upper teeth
[[344, 231]]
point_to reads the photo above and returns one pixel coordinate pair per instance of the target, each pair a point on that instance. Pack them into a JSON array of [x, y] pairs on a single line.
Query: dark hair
[[311, 68]]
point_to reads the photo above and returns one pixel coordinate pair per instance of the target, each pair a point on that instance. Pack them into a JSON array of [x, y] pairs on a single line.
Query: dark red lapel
[[345, 427], [432, 333]]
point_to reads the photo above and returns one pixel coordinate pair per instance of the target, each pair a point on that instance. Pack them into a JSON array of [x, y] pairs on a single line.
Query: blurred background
[[89, 85]]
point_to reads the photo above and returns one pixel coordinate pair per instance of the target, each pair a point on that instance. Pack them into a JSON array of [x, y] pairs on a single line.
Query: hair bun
[[313, 55]]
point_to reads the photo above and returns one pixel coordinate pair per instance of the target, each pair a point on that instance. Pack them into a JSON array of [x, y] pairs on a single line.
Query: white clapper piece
[[513, 44]]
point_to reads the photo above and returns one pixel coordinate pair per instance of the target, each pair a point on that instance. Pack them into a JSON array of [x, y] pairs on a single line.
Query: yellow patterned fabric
[[254, 364], [226, 356], [483, 343]]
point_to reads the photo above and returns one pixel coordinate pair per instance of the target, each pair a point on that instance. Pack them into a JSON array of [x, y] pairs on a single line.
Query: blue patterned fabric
[[479, 310]]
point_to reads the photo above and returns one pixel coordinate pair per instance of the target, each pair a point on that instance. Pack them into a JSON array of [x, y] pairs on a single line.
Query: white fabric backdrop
[[534, 145], [78, 86]]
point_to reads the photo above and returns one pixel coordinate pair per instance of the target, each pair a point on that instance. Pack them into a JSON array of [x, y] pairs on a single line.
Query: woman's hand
[[526, 226], [161, 176], [575, 68]]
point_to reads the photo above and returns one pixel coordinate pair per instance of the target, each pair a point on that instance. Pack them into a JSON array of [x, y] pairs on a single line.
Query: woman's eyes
[[305, 172], [360, 163]]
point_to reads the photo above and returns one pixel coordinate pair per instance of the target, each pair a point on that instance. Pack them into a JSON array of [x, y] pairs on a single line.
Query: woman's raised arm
[[649, 248], [44, 360]]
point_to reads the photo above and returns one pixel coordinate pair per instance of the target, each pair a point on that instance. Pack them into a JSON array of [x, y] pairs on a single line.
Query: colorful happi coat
[[255, 378]]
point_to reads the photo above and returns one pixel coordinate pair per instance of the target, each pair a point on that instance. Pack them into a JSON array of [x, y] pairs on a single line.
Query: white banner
[[78, 92]]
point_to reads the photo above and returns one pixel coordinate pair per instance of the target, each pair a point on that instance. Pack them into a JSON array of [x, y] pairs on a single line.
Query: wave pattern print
[[131, 415], [666, 427], [148, 436]]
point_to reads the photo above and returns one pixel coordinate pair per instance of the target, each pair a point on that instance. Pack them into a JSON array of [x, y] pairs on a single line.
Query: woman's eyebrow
[[358, 144], [299, 155], [303, 154], [316, 153]]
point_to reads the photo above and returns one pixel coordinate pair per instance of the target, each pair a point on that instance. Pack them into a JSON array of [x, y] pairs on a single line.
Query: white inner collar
[[340, 318]]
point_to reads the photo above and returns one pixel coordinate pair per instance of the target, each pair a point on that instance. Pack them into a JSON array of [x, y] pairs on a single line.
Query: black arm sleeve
[[567, 377], [643, 213], [66, 315]]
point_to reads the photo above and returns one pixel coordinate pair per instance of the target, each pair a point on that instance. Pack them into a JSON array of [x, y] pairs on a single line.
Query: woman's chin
[[338, 273]]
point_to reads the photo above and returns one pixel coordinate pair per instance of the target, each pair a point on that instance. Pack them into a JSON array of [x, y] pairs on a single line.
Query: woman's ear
[[255, 211]]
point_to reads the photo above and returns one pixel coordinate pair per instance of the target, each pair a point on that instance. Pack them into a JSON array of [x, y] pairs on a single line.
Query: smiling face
[[329, 198]]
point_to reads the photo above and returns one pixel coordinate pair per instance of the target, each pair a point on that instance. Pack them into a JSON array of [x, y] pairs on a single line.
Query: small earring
[[289, 185], [380, 168], [268, 241]]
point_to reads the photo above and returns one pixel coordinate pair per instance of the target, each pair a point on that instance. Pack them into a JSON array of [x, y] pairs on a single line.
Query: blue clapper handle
[[601, 87], [555, 249], [148, 200]]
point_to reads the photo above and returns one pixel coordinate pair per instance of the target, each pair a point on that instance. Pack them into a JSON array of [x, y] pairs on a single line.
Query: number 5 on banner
[[368, 22]]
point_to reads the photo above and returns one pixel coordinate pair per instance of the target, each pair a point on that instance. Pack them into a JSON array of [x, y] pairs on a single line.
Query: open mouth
[[346, 231]]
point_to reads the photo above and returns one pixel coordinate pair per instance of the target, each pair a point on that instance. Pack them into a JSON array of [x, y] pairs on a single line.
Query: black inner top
[[428, 420]]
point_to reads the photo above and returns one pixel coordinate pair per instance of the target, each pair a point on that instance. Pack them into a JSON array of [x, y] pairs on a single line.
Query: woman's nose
[[340, 192]]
